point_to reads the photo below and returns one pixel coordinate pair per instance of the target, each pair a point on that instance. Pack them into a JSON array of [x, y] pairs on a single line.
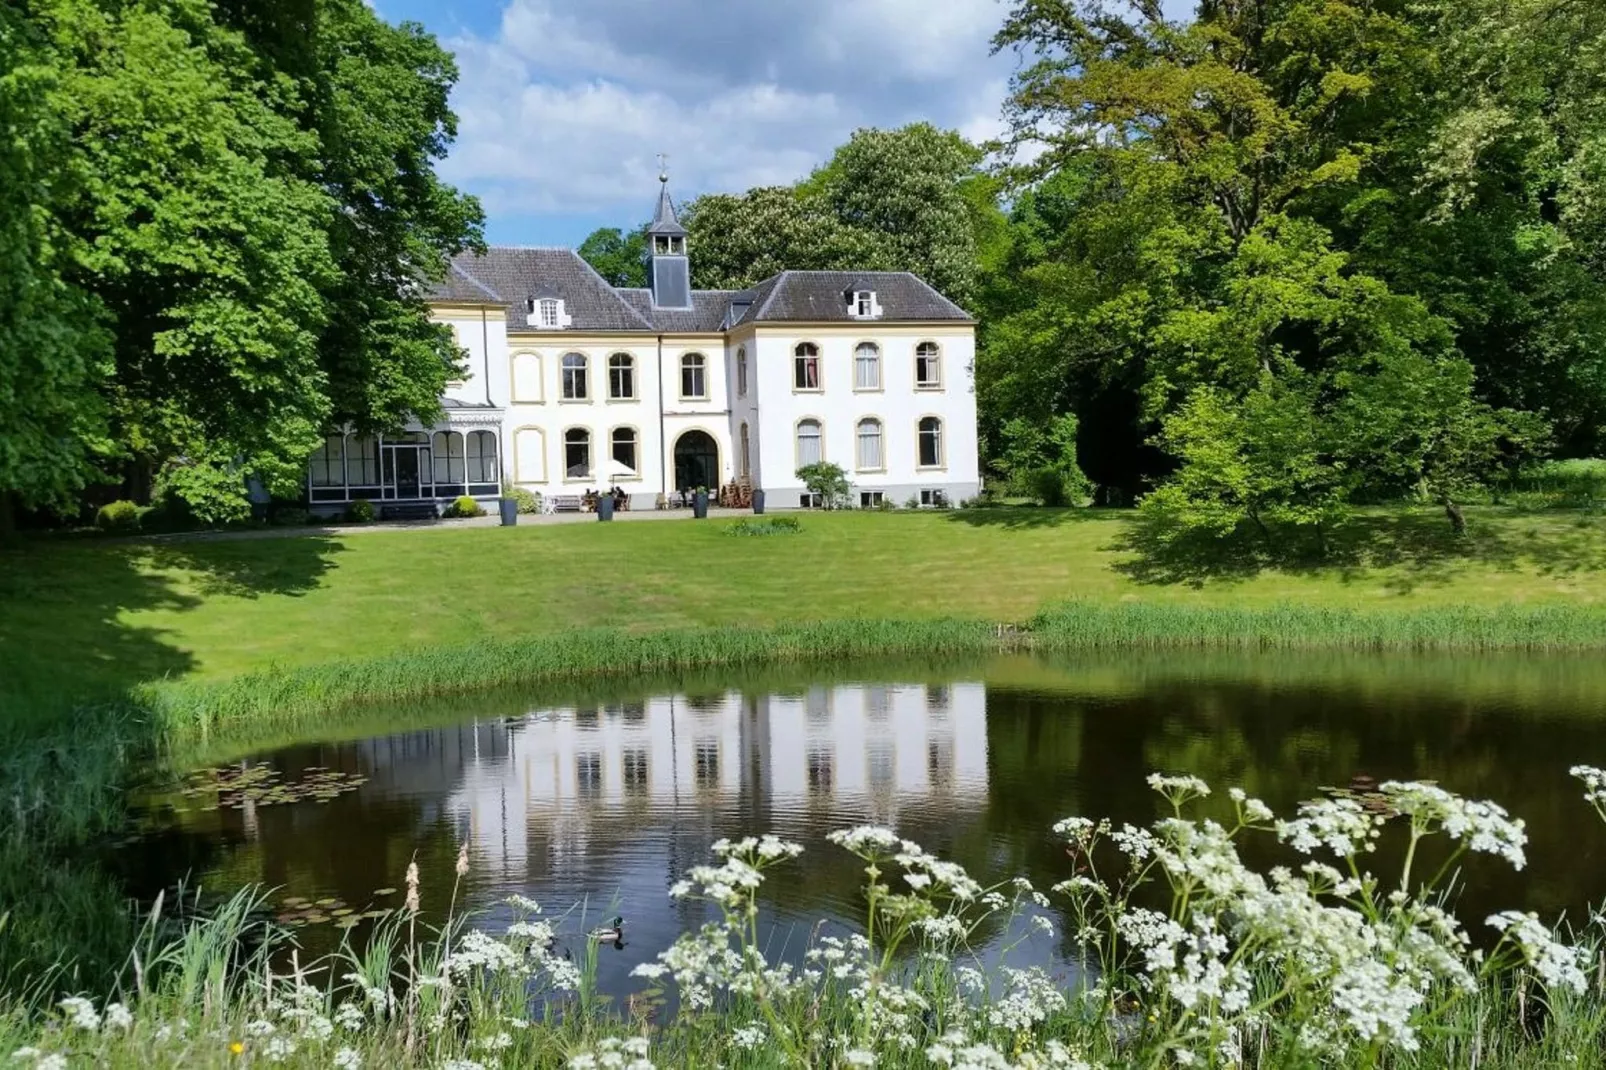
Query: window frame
[[819, 367], [935, 384], [519, 475], [480, 436], [584, 371], [548, 313], [455, 460], [941, 444], [321, 455], [699, 369], [591, 464], [628, 368], [370, 462], [880, 367], [635, 445], [513, 377], [858, 444], [797, 440], [741, 371]]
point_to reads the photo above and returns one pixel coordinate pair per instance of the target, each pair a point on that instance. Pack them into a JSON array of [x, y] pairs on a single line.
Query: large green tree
[[1177, 246], [618, 257], [54, 353]]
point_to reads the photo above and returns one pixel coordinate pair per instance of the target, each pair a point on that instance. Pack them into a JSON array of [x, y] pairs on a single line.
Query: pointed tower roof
[[663, 220]]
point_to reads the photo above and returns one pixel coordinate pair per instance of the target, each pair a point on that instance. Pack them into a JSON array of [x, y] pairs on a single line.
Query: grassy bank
[[90, 619]]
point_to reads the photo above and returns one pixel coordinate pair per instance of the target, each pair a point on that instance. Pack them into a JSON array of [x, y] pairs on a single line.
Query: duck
[[613, 932]]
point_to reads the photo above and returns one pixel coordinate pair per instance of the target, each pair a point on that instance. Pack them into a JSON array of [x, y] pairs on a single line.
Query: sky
[[563, 105]]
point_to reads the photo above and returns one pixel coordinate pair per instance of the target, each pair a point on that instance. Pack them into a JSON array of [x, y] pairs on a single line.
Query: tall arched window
[[624, 448], [577, 453], [746, 454], [867, 367], [809, 449], [871, 457], [482, 466], [806, 366], [621, 376], [693, 376], [928, 365], [930, 442], [447, 446], [741, 371], [575, 387]]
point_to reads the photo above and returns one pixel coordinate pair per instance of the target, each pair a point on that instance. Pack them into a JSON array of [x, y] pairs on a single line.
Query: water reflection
[[608, 802]]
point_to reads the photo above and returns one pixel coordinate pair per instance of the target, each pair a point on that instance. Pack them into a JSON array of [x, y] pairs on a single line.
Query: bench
[[564, 503]]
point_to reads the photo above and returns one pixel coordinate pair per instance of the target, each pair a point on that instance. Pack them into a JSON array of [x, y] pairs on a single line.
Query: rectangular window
[[810, 501], [482, 467], [327, 468], [934, 498], [634, 767], [549, 313], [693, 383], [867, 367], [870, 499], [588, 774], [928, 366], [621, 380], [362, 462], [707, 765], [808, 444], [870, 446], [624, 448], [820, 772]]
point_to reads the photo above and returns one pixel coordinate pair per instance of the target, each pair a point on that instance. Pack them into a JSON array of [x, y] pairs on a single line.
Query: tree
[[827, 480], [54, 351], [737, 240], [618, 258]]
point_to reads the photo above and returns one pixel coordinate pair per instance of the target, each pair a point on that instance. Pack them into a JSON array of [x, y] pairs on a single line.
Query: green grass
[[88, 618]]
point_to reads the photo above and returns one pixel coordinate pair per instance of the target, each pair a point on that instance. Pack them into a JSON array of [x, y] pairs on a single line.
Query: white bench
[[563, 503]]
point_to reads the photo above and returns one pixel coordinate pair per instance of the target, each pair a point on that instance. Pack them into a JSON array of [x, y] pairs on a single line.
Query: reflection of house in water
[[574, 783]]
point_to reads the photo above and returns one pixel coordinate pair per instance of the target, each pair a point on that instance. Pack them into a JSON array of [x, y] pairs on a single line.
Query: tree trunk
[[1458, 522]]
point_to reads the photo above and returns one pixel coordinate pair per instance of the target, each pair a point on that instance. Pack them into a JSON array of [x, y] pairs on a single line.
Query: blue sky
[[564, 104]]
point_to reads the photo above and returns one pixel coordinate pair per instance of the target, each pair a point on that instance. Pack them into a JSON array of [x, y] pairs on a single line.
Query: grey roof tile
[[510, 275], [706, 316], [818, 296]]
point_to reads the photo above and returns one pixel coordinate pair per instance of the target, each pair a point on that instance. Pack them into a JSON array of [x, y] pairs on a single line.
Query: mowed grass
[[85, 618]]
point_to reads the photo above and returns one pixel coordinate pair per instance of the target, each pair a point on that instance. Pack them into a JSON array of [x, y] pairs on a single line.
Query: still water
[[600, 800]]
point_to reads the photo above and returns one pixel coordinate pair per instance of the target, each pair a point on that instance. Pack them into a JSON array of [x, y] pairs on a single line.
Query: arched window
[[574, 377], [930, 442], [809, 450], [577, 453], [741, 371], [871, 456], [621, 376], [693, 376], [482, 466], [867, 367], [928, 365], [447, 446], [806, 366], [746, 454], [624, 448]]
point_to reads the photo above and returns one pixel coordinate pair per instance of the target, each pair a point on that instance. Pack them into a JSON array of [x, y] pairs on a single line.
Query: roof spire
[[664, 220]]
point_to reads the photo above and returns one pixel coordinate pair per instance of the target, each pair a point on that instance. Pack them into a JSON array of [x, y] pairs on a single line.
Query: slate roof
[[510, 275], [706, 316]]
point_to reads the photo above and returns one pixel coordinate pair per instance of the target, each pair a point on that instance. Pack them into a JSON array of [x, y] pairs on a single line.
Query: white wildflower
[[118, 1016], [1557, 964], [1377, 1003], [1482, 826], [1179, 789], [859, 1057], [348, 1059], [749, 1037], [53, 1061], [1341, 825], [80, 1012], [1254, 811], [349, 1016], [279, 1048], [260, 1028], [866, 840]]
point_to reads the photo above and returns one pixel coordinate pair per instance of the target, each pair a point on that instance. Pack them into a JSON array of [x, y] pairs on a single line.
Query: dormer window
[[862, 305], [545, 311]]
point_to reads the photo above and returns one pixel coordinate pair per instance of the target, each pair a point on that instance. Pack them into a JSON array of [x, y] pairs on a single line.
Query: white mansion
[[572, 384]]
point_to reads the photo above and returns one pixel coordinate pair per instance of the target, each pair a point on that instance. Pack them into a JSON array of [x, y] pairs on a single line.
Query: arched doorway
[[696, 461]]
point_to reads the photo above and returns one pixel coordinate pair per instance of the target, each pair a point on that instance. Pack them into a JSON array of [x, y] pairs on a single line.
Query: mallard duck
[[614, 932]]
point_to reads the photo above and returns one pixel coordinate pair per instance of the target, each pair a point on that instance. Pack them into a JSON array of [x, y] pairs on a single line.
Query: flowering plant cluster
[[1189, 957]]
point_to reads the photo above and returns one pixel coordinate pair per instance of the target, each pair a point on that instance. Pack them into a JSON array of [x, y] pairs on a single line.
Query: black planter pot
[[510, 511], [605, 507], [758, 503], [699, 505]]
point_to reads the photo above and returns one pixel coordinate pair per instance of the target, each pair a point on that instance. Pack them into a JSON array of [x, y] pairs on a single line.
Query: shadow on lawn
[[1409, 549], [1016, 517], [70, 741]]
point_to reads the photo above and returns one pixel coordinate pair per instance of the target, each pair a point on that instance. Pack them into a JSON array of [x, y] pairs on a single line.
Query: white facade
[[571, 385]]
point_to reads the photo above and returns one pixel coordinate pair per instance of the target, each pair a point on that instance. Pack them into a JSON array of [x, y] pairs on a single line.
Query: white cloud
[[564, 109]]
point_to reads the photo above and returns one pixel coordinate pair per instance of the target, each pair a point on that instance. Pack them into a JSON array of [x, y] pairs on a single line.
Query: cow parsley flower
[[1557, 964], [1378, 1003], [80, 1013], [1341, 825], [866, 841], [118, 1016], [1482, 826]]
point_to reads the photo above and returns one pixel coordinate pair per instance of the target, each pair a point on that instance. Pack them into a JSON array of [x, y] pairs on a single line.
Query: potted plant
[[699, 503], [509, 506], [758, 502], [605, 506]]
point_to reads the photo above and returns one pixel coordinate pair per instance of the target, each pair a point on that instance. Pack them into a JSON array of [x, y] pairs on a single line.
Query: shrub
[[121, 516], [169, 513], [529, 501], [827, 480], [775, 525], [1056, 487], [361, 511], [913, 502], [290, 516], [463, 507]]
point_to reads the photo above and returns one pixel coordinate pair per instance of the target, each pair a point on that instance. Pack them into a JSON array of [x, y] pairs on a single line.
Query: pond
[[598, 800]]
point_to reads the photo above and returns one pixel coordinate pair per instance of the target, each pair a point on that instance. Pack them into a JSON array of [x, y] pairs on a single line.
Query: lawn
[[80, 618]]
